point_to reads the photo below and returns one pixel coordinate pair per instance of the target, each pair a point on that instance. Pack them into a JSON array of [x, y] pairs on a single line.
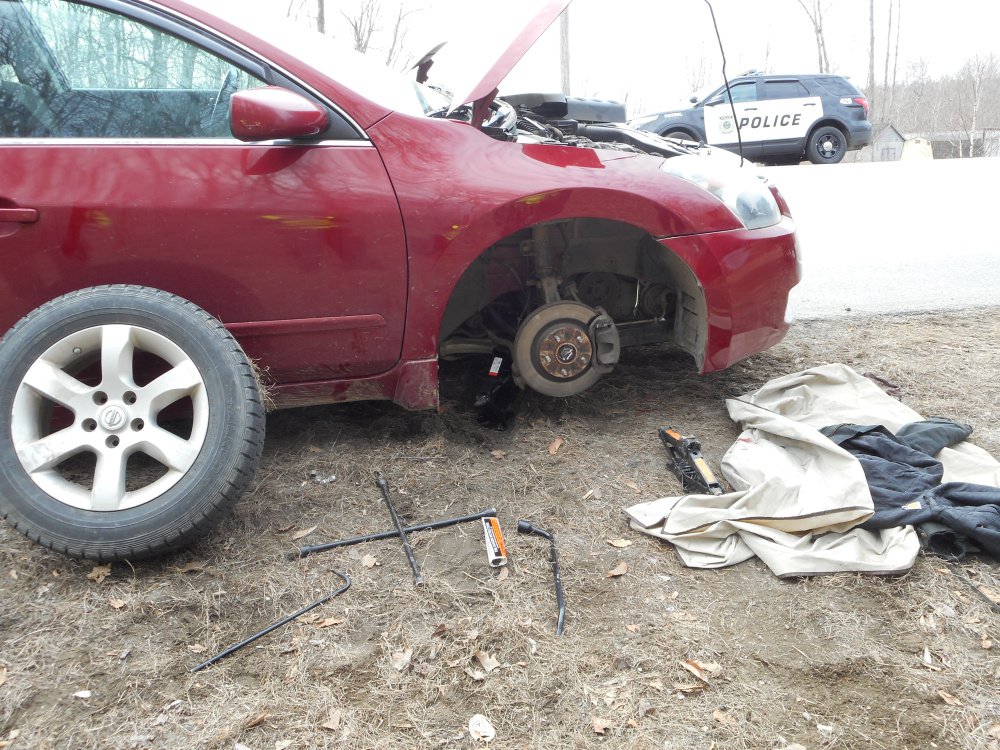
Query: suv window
[[85, 72], [742, 92], [838, 86], [784, 90]]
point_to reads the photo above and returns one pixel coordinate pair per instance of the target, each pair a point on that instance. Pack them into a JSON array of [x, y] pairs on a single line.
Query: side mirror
[[693, 100], [271, 113]]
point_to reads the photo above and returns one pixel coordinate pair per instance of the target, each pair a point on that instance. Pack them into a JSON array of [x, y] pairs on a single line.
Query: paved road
[[895, 236]]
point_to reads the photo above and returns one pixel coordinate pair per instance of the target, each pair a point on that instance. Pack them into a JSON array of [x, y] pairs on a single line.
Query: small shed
[[888, 145]]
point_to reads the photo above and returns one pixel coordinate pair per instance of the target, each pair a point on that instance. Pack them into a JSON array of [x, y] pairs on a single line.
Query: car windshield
[[362, 74]]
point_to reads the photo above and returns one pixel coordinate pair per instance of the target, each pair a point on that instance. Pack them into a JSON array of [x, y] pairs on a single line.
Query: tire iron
[[527, 527], [383, 485]]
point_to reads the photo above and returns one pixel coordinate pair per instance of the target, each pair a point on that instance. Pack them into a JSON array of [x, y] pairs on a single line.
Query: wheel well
[[602, 263], [827, 123], [681, 129]]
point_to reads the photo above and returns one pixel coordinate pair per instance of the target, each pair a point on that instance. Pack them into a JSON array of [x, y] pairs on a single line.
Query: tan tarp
[[798, 495]]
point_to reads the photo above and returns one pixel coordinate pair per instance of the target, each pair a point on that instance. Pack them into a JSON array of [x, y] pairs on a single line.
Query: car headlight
[[745, 193]]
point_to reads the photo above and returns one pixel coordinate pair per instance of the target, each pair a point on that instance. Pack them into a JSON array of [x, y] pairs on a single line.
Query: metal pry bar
[[418, 577], [527, 527], [278, 624]]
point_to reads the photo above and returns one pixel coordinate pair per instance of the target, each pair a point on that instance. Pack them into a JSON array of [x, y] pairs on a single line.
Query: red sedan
[[185, 190]]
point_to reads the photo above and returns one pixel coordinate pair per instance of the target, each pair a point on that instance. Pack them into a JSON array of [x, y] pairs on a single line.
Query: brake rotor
[[554, 351]]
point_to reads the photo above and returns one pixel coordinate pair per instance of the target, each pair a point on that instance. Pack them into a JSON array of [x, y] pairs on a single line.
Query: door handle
[[809, 104], [749, 109], [19, 215]]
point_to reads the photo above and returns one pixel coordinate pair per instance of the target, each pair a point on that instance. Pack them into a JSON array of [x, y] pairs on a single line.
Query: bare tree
[[870, 88], [394, 52], [364, 23], [814, 10], [977, 77]]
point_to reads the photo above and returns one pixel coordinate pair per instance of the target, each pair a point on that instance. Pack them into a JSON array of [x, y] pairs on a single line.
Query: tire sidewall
[[813, 152], [156, 523]]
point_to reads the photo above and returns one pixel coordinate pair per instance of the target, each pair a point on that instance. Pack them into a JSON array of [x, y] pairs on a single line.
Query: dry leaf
[[314, 449], [633, 485], [683, 616], [699, 670], [619, 570], [195, 566], [3, 675], [994, 731], [481, 729], [13, 574], [620, 543], [690, 687], [555, 445], [632, 628], [282, 744], [723, 718], [486, 661], [439, 631], [401, 659], [599, 725], [117, 603], [471, 635], [285, 529], [303, 532], [196, 648], [330, 622], [257, 720], [504, 575], [950, 699], [498, 453], [478, 675], [369, 561], [99, 573], [82, 694], [986, 642], [333, 723]]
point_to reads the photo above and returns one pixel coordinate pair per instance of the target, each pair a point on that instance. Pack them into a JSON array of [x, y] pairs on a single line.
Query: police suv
[[781, 118]]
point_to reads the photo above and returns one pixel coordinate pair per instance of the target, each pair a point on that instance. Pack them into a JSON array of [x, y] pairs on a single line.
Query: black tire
[[681, 135], [185, 482], [827, 145]]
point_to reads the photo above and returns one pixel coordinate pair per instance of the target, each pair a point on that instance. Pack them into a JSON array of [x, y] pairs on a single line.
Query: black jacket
[[905, 483]]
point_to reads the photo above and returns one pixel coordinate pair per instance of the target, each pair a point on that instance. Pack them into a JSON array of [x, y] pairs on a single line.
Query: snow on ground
[[894, 236]]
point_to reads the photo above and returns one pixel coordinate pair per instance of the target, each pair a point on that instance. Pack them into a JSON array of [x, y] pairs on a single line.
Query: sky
[[654, 54]]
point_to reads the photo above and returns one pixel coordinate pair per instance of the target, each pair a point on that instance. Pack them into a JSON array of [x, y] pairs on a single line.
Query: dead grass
[[841, 661]]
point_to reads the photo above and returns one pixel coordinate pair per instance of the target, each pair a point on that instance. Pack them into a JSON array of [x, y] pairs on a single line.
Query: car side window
[[784, 90], [742, 92], [82, 72]]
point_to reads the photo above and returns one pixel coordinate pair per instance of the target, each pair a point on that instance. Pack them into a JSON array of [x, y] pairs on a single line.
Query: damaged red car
[[186, 190]]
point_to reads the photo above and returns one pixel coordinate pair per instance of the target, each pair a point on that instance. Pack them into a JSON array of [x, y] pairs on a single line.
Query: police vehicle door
[[788, 112], [720, 126]]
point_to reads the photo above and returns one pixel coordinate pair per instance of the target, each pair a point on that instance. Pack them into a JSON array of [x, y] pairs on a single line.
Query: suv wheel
[[826, 146]]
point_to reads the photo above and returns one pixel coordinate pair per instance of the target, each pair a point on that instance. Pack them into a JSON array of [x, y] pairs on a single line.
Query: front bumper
[[745, 277]]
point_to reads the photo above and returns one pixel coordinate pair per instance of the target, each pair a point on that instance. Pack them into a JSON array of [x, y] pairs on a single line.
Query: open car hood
[[481, 83]]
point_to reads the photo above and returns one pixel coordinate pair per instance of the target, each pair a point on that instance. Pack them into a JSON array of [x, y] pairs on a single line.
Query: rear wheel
[[130, 422], [679, 135], [826, 146]]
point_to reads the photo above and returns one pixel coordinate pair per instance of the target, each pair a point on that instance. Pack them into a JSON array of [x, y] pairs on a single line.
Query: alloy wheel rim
[[114, 420]]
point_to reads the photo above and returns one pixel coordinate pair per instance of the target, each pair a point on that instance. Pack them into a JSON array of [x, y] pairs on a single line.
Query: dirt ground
[[101, 659]]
